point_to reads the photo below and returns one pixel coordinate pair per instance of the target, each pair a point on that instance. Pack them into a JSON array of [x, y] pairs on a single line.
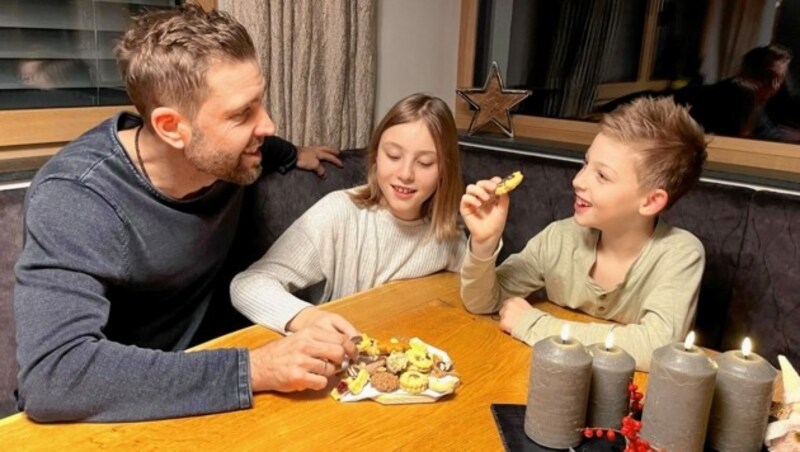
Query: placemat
[[510, 420]]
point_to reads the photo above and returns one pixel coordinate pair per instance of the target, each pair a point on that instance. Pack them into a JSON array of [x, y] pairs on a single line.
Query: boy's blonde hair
[[165, 54], [670, 144], [441, 209]]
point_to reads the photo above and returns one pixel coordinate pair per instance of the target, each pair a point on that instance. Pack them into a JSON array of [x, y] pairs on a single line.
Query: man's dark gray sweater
[[114, 280]]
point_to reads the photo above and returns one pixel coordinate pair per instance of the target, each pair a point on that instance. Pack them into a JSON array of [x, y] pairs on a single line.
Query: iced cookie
[[509, 183], [356, 385], [366, 345], [397, 362], [392, 345], [419, 360], [444, 384], [413, 382]]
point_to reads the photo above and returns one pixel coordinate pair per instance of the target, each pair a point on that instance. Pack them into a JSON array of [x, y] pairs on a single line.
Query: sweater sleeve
[[667, 313], [279, 155], [74, 252], [263, 292], [484, 288]]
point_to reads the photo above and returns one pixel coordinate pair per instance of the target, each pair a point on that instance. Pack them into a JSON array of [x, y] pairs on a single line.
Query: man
[[126, 230]]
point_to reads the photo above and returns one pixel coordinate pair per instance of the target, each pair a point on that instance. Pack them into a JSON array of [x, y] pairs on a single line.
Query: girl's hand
[[317, 318], [485, 216]]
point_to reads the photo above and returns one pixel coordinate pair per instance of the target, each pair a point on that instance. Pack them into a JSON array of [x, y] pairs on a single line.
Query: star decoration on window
[[492, 103]]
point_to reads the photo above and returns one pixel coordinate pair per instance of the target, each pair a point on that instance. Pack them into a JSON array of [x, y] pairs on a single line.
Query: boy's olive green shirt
[[654, 305]]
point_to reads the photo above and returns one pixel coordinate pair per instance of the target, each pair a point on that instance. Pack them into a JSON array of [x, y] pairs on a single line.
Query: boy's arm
[[69, 370], [666, 315], [263, 292], [483, 288]]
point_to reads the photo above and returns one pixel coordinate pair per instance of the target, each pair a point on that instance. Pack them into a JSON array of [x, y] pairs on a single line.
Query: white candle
[[612, 373], [558, 391], [742, 395]]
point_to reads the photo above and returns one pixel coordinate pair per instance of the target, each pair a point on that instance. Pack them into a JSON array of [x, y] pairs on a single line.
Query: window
[[59, 53], [578, 56]]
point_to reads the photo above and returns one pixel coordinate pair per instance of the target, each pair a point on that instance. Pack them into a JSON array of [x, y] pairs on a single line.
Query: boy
[[614, 259]]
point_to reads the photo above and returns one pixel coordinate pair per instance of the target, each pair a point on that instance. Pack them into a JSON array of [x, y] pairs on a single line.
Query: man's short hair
[[165, 55], [671, 145]]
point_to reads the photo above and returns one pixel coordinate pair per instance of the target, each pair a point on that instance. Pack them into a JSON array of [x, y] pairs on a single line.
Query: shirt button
[[601, 308], [603, 297]]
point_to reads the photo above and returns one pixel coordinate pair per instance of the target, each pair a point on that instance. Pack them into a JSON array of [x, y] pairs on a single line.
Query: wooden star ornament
[[492, 103]]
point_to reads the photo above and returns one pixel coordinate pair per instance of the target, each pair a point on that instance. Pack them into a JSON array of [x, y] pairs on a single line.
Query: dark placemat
[[510, 420]]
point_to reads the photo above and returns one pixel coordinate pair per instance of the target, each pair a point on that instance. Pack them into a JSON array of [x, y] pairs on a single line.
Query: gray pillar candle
[[558, 391], [679, 394], [612, 373], [742, 395]]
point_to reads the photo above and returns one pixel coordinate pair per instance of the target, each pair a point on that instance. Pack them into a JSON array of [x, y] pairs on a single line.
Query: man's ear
[[171, 126], [654, 202]]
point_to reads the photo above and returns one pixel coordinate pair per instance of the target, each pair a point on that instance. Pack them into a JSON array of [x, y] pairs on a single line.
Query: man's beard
[[229, 168]]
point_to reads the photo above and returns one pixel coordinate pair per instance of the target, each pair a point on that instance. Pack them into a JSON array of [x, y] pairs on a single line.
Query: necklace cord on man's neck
[[139, 155]]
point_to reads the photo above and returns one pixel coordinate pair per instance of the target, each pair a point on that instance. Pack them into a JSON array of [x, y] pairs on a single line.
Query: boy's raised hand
[[485, 216]]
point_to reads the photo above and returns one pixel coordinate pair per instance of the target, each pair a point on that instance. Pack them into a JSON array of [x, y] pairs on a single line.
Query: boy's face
[[231, 124], [407, 168], [607, 191]]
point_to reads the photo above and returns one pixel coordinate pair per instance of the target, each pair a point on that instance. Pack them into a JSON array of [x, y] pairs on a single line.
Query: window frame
[[31, 136], [738, 155]]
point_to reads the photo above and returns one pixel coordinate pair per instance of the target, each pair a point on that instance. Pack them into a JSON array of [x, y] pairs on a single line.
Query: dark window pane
[[60, 53]]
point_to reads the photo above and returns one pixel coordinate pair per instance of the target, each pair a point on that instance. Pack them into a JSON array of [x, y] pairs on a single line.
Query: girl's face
[[407, 168]]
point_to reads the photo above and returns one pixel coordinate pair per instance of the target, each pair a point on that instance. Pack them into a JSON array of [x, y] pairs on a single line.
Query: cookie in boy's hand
[[509, 183]]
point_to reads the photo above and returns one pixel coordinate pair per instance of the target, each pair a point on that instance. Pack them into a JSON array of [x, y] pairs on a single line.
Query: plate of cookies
[[396, 371]]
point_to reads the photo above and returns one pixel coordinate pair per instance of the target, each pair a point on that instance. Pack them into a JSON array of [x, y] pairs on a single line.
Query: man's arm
[[278, 155], [281, 155], [74, 253]]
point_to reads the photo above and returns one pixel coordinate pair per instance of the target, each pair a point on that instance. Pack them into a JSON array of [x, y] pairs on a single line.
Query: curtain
[[569, 53], [732, 29], [319, 58]]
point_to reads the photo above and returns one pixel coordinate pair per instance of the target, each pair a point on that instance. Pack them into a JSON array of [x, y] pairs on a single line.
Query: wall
[[417, 50]]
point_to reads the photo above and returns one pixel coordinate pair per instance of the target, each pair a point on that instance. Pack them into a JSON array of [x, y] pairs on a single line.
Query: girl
[[401, 224]]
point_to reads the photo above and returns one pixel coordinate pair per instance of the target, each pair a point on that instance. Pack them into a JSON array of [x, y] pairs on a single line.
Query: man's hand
[[301, 361], [313, 317], [513, 309], [310, 158]]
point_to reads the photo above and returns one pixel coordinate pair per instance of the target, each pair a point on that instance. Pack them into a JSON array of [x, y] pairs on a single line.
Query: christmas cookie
[[509, 183], [413, 382], [419, 360], [444, 384], [385, 382]]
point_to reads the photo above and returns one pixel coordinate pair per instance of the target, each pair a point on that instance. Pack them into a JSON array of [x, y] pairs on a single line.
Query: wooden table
[[493, 366]]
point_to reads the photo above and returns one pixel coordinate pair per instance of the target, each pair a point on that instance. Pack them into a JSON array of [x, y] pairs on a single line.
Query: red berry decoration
[[630, 426]]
